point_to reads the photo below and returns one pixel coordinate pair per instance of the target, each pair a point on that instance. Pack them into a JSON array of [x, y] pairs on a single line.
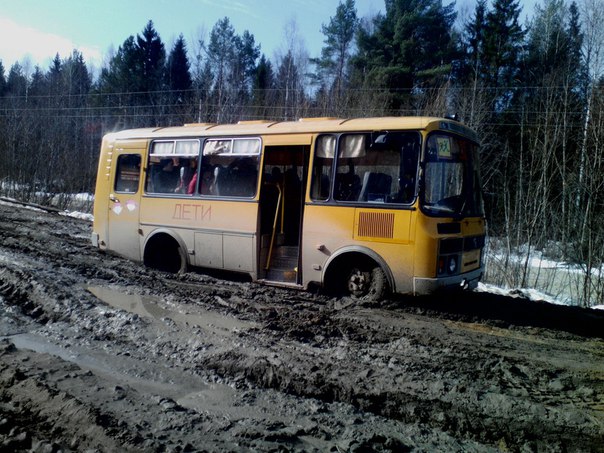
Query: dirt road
[[100, 354]]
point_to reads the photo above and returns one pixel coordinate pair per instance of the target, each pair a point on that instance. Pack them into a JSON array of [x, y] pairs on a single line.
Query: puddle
[[147, 306], [125, 370], [187, 391]]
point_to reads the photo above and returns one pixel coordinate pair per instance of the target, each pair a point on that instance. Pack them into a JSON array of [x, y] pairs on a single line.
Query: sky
[[34, 31]]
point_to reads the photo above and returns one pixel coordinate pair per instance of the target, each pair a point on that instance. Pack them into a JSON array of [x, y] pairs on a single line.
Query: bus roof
[[302, 126]]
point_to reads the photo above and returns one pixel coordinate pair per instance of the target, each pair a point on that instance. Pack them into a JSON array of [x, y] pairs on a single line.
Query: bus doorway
[[281, 210]]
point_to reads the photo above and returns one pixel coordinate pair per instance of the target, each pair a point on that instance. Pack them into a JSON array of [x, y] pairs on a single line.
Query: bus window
[[172, 167], [452, 185], [377, 168], [323, 162], [229, 167], [128, 173]]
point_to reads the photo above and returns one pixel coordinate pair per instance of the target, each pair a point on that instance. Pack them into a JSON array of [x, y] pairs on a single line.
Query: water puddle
[[125, 370], [148, 307]]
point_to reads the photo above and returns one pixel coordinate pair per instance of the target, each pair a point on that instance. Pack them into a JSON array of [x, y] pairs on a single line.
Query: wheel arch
[[355, 252], [162, 237]]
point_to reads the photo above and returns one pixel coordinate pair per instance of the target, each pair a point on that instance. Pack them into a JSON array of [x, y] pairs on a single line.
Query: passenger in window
[[349, 184], [207, 181], [167, 180], [187, 173]]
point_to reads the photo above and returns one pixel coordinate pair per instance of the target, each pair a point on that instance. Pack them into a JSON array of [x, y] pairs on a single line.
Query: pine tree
[[121, 74], [232, 60], [335, 54], [410, 47], [577, 67], [288, 84], [38, 85]]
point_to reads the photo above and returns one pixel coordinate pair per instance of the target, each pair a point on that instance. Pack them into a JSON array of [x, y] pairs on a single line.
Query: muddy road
[[100, 354]]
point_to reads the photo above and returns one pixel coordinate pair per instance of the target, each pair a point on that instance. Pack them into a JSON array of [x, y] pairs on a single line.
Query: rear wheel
[[165, 254]]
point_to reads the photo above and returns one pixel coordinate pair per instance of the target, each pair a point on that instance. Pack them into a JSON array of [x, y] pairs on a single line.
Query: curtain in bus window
[[326, 146], [246, 146], [187, 147], [352, 146], [163, 148]]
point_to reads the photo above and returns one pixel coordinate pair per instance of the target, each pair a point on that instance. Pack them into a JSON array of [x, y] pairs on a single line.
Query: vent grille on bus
[[376, 224]]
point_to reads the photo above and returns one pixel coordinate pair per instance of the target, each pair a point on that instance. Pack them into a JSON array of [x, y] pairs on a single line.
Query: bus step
[[278, 275], [284, 258], [284, 263]]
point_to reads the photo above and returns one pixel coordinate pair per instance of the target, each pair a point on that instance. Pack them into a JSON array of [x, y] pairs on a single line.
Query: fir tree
[[16, 82], [179, 77], [2, 80], [152, 61], [475, 35], [503, 41], [262, 89]]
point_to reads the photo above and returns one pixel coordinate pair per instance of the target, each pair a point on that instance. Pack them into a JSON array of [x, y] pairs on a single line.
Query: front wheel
[[367, 283]]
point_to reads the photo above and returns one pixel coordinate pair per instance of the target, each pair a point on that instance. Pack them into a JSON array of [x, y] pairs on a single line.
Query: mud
[[101, 354]]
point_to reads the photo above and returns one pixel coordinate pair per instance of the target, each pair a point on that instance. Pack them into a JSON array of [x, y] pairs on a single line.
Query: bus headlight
[[452, 266], [448, 265]]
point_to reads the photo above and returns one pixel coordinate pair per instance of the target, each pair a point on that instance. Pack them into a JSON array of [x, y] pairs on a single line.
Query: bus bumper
[[468, 280]]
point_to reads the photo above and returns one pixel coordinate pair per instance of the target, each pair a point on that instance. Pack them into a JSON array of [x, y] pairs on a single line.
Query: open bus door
[[281, 212]]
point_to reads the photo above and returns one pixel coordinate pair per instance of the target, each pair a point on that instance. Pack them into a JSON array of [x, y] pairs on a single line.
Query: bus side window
[[229, 167], [127, 174], [323, 163]]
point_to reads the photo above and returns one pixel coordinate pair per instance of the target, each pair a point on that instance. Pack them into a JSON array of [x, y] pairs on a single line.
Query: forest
[[531, 88]]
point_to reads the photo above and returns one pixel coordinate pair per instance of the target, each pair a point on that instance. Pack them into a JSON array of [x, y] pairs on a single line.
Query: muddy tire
[[366, 283]]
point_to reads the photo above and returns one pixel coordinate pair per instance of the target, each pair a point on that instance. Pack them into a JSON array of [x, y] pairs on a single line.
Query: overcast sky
[[33, 31]]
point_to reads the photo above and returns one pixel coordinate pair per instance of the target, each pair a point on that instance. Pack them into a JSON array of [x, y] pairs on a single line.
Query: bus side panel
[[328, 229], [217, 233]]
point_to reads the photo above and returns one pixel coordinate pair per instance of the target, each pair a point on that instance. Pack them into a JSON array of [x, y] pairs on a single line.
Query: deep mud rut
[[100, 354]]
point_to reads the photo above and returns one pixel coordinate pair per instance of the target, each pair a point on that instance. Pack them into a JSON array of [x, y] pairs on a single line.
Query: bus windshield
[[451, 182]]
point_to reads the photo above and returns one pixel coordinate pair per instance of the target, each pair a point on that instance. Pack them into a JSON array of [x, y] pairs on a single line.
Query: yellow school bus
[[361, 207]]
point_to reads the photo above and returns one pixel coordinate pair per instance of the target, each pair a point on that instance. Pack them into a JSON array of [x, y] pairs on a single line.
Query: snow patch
[[78, 215]]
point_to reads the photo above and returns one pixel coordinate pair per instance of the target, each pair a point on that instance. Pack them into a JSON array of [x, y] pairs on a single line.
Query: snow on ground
[[78, 215], [524, 293]]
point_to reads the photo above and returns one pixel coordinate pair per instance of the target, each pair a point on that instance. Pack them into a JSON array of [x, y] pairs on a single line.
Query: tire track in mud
[[419, 389]]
